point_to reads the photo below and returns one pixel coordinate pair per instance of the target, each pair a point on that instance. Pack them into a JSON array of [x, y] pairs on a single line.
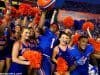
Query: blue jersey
[[45, 42], [77, 54], [81, 59]]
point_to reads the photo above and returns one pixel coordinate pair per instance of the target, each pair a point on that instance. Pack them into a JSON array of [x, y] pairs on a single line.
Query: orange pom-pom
[[68, 22], [28, 54], [61, 65], [24, 8], [75, 38], [89, 25], [91, 40], [34, 57], [45, 3], [36, 10], [37, 60], [33, 11], [13, 12], [95, 44], [17, 13], [97, 47]]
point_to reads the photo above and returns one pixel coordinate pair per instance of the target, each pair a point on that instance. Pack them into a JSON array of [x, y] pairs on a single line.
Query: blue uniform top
[[19, 68], [77, 54], [24, 47], [66, 55], [45, 42], [33, 45]]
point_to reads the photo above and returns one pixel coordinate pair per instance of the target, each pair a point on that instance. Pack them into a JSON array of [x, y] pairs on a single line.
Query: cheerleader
[[61, 50], [17, 32], [2, 49], [19, 64], [7, 48], [33, 46]]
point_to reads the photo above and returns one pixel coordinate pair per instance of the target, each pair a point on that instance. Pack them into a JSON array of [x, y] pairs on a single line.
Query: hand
[[72, 67], [55, 11], [21, 58], [27, 63]]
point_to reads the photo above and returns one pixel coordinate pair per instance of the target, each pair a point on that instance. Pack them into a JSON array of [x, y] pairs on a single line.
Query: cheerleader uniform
[[9, 42], [66, 55], [33, 45], [19, 68], [2, 52]]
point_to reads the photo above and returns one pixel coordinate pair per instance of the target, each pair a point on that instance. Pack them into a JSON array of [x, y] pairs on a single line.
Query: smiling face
[[17, 28], [64, 39], [25, 34], [82, 43]]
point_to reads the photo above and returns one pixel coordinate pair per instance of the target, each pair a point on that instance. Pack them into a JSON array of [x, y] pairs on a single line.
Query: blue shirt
[[45, 42], [77, 54]]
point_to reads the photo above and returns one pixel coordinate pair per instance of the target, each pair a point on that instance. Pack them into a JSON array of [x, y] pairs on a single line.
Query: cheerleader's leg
[[2, 63], [7, 58], [8, 62], [2, 60]]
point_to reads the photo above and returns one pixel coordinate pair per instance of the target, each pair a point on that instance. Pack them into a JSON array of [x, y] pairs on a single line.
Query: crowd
[[32, 45]]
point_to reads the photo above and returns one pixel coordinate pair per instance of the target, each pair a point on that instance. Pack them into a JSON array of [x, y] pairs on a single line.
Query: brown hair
[[61, 33]]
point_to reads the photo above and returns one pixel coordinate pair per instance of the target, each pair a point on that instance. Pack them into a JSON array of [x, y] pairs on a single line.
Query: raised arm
[[42, 19], [53, 16]]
